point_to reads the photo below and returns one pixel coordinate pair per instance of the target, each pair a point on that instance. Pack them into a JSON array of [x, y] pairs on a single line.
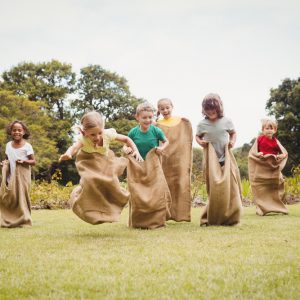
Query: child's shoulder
[[110, 133], [155, 128]]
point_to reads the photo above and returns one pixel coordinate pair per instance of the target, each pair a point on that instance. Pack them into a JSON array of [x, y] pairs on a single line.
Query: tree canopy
[[50, 82], [106, 92], [284, 105]]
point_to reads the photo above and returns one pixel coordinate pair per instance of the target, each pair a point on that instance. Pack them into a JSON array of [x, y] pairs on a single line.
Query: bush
[[52, 195]]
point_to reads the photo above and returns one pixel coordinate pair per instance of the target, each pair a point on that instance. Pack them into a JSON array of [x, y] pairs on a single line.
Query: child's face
[[94, 134], [269, 131], [145, 119], [211, 114], [165, 109], [17, 132]]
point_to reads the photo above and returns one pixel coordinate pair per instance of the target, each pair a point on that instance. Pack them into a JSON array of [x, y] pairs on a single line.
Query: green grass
[[61, 257]]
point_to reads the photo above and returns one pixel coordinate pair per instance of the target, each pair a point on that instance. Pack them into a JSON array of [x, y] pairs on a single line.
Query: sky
[[179, 49]]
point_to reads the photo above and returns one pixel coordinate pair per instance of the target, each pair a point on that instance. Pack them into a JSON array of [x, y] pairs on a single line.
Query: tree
[[106, 92], [284, 104], [14, 107], [50, 82]]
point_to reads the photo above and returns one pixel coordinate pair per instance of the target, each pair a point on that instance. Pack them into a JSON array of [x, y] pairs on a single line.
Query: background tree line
[[50, 97]]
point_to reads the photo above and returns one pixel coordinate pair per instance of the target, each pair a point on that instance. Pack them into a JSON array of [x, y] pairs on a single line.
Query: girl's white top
[[15, 154]]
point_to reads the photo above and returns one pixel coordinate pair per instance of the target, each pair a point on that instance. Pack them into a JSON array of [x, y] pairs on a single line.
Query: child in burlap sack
[[216, 134], [99, 197], [177, 167], [16, 178], [266, 159], [150, 197]]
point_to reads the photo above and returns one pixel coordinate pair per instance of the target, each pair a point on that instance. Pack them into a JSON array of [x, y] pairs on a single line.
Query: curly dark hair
[[10, 126]]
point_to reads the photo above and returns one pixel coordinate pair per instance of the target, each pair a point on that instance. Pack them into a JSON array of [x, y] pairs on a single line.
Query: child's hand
[[137, 156], [230, 144], [281, 156], [260, 154], [127, 149], [158, 150], [203, 143], [20, 161], [66, 156]]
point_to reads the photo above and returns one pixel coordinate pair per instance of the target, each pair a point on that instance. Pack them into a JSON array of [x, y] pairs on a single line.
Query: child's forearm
[[232, 138], [30, 162], [131, 144]]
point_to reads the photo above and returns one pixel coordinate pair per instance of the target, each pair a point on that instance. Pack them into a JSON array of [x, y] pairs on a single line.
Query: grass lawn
[[61, 257]]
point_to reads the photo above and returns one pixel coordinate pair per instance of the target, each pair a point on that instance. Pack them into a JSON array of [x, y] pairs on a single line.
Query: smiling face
[[145, 119], [165, 108], [269, 131], [17, 132], [95, 135]]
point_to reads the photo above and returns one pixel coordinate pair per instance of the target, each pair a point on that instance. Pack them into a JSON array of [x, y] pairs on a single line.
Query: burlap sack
[[267, 183], [177, 167], [14, 196], [223, 186], [150, 197], [99, 197]]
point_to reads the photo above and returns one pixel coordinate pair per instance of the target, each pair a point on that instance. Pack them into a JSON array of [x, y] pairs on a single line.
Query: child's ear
[[137, 117], [82, 131]]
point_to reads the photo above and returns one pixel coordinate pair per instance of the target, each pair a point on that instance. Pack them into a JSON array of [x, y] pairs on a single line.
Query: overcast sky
[[180, 49]]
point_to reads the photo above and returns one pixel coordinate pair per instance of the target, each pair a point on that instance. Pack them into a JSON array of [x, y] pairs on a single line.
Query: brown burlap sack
[[267, 183], [99, 197], [223, 186], [177, 167], [150, 197], [14, 196]]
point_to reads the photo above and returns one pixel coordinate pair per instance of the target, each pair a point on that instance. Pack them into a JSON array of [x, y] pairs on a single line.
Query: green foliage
[[292, 184], [284, 104], [39, 123], [106, 92], [50, 82], [246, 189], [241, 156]]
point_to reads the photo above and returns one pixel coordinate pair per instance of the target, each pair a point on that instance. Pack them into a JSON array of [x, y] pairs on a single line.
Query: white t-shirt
[[14, 154]]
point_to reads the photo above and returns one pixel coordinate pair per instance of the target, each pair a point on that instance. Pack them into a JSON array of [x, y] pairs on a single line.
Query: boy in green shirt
[[146, 136]]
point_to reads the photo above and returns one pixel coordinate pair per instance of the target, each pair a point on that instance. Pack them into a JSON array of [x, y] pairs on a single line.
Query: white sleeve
[[29, 149]]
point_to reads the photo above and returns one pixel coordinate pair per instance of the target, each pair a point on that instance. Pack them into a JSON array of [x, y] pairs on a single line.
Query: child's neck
[[144, 129], [269, 137], [213, 120], [18, 143]]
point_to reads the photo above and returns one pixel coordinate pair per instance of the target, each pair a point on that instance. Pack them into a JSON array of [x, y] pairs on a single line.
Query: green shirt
[[145, 141]]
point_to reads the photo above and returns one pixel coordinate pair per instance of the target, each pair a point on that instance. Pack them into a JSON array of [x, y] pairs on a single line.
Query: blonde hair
[[160, 101], [92, 119], [213, 102], [145, 106], [267, 122]]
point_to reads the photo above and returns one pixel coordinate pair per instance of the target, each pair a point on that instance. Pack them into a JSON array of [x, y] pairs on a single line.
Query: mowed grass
[[61, 257]]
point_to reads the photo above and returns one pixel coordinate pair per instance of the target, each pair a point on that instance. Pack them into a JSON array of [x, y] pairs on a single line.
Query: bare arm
[[130, 146], [232, 139], [201, 141], [72, 150], [30, 161]]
